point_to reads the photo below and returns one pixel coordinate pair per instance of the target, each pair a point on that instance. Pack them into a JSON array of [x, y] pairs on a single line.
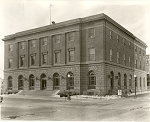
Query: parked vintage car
[[65, 93]]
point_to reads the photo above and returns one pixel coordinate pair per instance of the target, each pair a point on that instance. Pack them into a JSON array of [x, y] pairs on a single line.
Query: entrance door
[[43, 84]]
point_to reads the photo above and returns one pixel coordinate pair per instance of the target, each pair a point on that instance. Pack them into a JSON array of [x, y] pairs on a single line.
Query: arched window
[[92, 80], [119, 81], [9, 83], [31, 82], [20, 82], [112, 80], [56, 82], [70, 80], [43, 82], [130, 81], [125, 81]]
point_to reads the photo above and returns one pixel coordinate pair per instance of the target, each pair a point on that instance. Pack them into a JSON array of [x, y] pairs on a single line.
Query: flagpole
[[50, 14]]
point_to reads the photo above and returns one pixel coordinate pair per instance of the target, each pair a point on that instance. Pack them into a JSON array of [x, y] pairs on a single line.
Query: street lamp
[[69, 86], [135, 85]]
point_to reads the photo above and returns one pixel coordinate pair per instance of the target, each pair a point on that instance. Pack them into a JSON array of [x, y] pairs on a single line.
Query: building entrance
[[43, 84]]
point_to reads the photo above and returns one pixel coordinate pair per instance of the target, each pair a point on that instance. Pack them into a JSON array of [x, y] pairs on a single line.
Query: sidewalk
[[76, 97], [132, 94]]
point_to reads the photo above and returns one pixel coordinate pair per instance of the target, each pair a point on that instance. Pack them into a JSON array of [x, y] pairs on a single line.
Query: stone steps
[[38, 92]]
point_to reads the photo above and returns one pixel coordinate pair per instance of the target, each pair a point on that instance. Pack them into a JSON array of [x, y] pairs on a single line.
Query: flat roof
[[72, 22]]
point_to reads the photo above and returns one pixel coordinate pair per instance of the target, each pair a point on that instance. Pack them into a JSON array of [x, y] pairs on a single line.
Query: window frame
[[22, 62], [10, 47], [118, 58], [57, 55], [31, 59], [91, 34], [91, 54], [110, 54], [10, 63], [32, 43], [69, 53], [44, 61], [70, 34]]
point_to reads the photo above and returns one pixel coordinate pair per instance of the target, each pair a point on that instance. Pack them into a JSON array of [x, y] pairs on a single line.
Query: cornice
[[72, 22]]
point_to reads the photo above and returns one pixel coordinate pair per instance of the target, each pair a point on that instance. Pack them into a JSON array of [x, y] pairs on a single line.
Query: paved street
[[121, 109]]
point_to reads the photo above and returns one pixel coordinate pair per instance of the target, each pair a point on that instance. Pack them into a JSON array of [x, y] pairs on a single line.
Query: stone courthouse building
[[99, 54]]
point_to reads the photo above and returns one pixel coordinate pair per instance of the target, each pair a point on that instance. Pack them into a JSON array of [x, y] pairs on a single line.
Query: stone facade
[[112, 66]]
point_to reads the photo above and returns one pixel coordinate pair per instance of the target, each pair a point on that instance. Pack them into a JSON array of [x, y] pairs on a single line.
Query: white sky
[[20, 15]]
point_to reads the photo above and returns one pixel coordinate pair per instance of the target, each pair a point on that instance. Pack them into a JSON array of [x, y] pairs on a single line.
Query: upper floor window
[[10, 47], [117, 38], [110, 34], [124, 42], [57, 57], [140, 51], [22, 60], [129, 61], [140, 65], [135, 63], [129, 44], [44, 55], [56, 39], [22, 45], [124, 59], [44, 40], [71, 55], [70, 36], [135, 48], [110, 55], [32, 43], [32, 61], [91, 32], [144, 67], [91, 54], [10, 63], [117, 57]]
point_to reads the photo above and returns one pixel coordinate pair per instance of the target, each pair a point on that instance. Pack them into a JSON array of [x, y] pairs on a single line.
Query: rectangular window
[[135, 63], [129, 44], [140, 51], [140, 64], [10, 63], [110, 34], [144, 67], [57, 57], [56, 39], [44, 58], [124, 59], [22, 60], [117, 57], [135, 48], [32, 43], [22, 45], [91, 32], [129, 61], [71, 55], [10, 47], [110, 55], [32, 60], [70, 36], [44, 41], [117, 39], [124, 42], [92, 54]]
